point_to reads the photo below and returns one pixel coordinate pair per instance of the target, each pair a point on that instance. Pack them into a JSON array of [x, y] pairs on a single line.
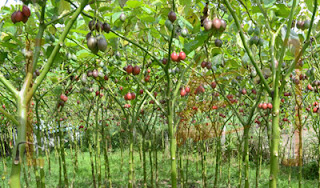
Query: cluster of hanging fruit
[[255, 39], [216, 25], [315, 108], [171, 18], [265, 106], [21, 15], [135, 70], [95, 39]]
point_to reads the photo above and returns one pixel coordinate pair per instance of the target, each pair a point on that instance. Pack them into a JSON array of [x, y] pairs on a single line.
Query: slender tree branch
[[39, 36], [285, 44], [8, 85], [9, 116], [60, 17], [139, 46], [247, 11], [150, 94], [228, 101]]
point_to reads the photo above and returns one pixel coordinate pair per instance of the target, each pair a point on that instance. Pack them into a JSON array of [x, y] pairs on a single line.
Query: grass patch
[[83, 177]]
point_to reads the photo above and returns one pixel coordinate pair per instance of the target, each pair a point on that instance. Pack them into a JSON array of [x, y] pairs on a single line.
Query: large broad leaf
[[110, 36], [217, 60], [317, 26], [49, 51], [105, 8], [239, 41], [146, 18], [133, 4], [8, 45], [186, 23], [255, 9], [115, 16], [232, 64], [268, 2], [3, 56], [309, 4], [198, 41], [82, 54], [282, 10], [147, 10], [63, 6]]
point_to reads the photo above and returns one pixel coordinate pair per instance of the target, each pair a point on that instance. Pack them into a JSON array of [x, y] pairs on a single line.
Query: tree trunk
[[144, 161], [246, 155], [203, 162], [239, 166], [155, 155], [131, 168], [92, 166], [318, 160], [173, 146], [151, 165], [274, 165], [18, 150], [218, 146]]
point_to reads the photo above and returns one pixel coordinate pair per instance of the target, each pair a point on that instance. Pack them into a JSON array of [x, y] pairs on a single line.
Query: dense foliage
[[232, 83]]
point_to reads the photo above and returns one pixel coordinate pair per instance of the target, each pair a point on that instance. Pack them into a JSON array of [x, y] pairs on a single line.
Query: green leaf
[[232, 64], [8, 45], [146, 18], [268, 2], [63, 6], [133, 4], [104, 8], [115, 16], [239, 41], [282, 10], [3, 56], [309, 4], [217, 60], [198, 41], [82, 54], [49, 50], [147, 10], [110, 35], [186, 23], [84, 32]]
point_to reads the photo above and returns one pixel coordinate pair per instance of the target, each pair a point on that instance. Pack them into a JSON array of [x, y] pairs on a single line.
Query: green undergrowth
[[83, 177]]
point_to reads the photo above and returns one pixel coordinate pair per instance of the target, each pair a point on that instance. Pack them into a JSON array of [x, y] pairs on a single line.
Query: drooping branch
[[237, 22], [285, 43], [55, 51], [139, 46], [305, 46]]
